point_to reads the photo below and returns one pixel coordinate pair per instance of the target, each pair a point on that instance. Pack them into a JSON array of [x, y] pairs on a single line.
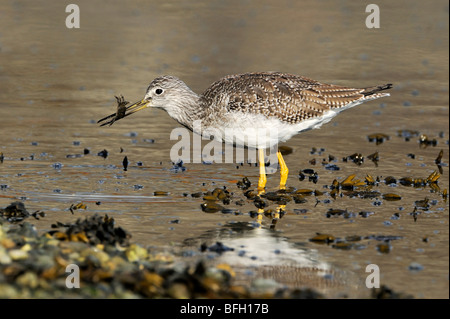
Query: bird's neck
[[188, 109]]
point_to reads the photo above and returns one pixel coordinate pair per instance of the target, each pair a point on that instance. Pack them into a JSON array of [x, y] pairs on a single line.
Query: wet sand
[[56, 83]]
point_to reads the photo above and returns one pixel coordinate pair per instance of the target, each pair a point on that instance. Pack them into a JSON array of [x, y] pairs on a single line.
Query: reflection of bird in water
[[281, 105], [262, 253]]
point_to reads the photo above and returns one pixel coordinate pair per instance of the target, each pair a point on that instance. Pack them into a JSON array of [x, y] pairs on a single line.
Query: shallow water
[[56, 82]]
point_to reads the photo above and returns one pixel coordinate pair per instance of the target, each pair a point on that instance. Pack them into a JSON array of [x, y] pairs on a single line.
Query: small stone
[[285, 150], [211, 207], [28, 279], [135, 253], [384, 248], [7, 291], [7, 243], [265, 285], [103, 154], [178, 291], [5, 259], [98, 254], [226, 268], [323, 238], [332, 167], [57, 165], [161, 193], [18, 254], [391, 197], [415, 267]]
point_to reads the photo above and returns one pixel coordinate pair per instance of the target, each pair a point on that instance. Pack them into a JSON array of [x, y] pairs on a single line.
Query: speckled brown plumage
[[290, 98]]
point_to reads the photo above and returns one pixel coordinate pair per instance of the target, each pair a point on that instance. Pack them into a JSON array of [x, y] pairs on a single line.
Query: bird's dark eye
[[158, 91]]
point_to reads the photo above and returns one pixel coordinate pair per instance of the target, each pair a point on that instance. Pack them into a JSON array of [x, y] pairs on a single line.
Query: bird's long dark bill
[[133, 108]]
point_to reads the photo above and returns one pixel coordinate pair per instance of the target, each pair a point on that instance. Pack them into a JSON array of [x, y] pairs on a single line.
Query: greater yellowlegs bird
[[285, 103]]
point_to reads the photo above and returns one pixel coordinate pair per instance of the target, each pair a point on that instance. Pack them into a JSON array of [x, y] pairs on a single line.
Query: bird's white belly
[[258, 131]]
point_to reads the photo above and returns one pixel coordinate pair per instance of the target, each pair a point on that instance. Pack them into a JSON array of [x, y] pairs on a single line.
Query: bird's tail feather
[[376, 89]]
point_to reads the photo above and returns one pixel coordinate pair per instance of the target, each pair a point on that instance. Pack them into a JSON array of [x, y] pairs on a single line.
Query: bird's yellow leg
[[261, 182], [260, 216], [262, 172], [283, 170]]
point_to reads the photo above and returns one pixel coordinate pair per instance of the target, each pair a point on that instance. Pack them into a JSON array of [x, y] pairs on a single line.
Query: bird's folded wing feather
[[290, 98]]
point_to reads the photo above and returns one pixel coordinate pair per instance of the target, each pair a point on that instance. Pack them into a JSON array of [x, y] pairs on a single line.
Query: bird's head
[[168, 93]]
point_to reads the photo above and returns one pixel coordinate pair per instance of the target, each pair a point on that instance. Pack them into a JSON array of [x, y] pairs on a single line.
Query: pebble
[[57, 165], [5, 258], [332, 167], [135, 252], [211, 207], [161, 193], [265, 285], [28, 279], [323, 238], [18, 254], [415, 267]]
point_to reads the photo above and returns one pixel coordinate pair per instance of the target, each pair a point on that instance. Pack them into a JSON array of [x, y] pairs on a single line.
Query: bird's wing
[[288, 97]]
